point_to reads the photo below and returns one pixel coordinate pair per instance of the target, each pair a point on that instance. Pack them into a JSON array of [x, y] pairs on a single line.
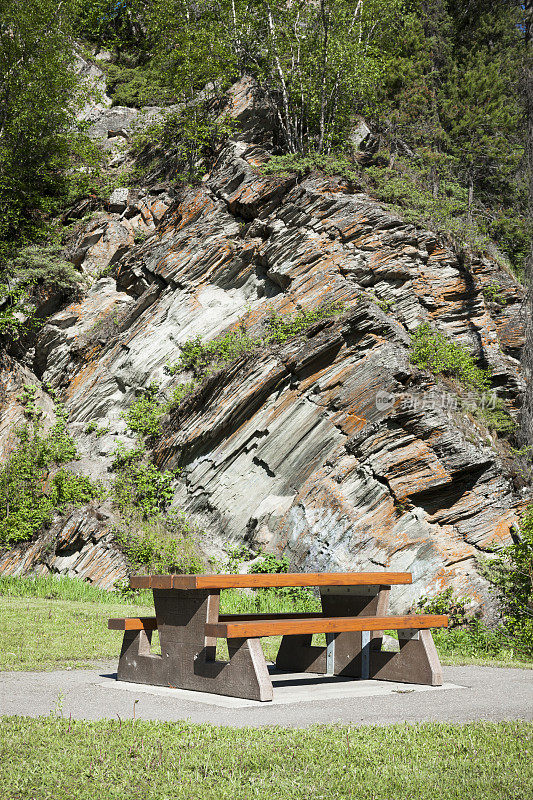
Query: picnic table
[[353, 617]]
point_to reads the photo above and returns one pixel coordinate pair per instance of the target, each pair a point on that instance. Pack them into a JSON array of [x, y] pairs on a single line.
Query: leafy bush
[[474, 640], [180, 145], [270, 564], [466, 634], [136, 86], [93, 427], [203, 358], [16, 315], [31, 489], [496, 417], [433, 351], [144, 414], [30, 275], [493, 294], [446, 603], [291, 163], [160, 543], [144, 487], [44, 266], [300, 596], [280, 328], [406, 189], [510, 572]]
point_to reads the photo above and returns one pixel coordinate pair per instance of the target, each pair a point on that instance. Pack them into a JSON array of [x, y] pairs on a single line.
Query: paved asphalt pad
[[469, 693]]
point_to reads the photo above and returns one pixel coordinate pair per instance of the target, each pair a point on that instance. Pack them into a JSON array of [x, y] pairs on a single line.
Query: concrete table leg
[[345, 651], [187, 659]]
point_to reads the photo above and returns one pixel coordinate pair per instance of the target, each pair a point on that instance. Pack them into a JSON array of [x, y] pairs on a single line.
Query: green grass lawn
[[55, 759], [47, 623]]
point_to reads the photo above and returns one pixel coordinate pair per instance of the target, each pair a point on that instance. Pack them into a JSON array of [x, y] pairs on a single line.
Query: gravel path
[[470, 693]]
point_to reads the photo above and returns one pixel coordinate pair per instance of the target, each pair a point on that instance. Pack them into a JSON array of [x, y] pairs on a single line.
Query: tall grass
[[61, 587], [232, 601]]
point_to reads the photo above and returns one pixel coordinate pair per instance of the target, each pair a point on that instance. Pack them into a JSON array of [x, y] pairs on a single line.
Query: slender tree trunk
[[284, 93], [325, 26], [434, 183], [470, 198]]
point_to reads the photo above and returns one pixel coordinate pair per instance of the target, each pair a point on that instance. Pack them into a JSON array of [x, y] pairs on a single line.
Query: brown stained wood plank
[[140, 581], [285, 615], [132, 624], [291, 627], [269, 580]]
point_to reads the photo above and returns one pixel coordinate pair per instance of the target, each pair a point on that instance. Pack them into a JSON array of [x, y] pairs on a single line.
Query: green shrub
[[270, 564], [124, 458], [178, 394], [496, 417], [28, 276], [474, 640], [44, 266], [145, 413], [446, 603], [467, 635], [93, 427], [292, 163], [32, 490], [432, 350], [204, 358], [160, 543], [139, 237], [181, 144], [510, 573], [16, 314], [144, 487], [493, 294], [301, 597], [280, 328], [136, 86]]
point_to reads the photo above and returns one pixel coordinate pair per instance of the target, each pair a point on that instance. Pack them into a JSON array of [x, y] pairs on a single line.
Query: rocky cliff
[[330, 447]]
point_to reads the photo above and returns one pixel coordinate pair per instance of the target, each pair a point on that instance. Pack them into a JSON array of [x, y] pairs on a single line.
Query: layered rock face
[[331, 447]]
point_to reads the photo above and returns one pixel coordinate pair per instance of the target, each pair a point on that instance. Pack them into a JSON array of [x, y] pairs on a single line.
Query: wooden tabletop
[[262, 581]]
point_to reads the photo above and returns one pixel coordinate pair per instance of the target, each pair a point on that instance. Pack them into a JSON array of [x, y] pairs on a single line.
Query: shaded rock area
[[330, 448], [79, 544]]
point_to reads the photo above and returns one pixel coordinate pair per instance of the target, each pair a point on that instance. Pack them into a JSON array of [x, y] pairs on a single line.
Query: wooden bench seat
[[247, 626], [150, 623], [132, 624], [268, 625]]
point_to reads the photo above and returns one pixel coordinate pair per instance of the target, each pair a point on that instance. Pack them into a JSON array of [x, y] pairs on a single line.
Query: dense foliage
[[439, 81], [33, 486], [432, 350], [39, 96], [510, 571], [160, 543]]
